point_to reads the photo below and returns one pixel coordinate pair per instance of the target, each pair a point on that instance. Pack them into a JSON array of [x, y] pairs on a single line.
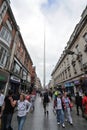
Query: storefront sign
[[69, 84], [14, 78], [76, 82]]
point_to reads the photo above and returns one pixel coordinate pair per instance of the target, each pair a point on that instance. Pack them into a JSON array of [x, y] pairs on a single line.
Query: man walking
[[45, 102], [78, 102], [7, 110]]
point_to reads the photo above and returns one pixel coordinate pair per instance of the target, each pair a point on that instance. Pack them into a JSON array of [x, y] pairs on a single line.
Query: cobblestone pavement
[[38, 121]]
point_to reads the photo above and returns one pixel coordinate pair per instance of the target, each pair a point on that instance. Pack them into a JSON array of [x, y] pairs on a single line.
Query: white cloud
[[60, 19]]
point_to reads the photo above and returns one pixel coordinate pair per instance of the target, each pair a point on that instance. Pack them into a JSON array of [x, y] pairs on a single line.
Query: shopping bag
[[71, 105], [0, 123]]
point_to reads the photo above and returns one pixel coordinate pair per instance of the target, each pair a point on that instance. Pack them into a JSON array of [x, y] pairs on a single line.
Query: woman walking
[[23, 108], [67, 109]]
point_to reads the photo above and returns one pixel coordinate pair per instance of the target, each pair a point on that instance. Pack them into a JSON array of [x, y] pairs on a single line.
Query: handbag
[[0, 123], [71, 104]]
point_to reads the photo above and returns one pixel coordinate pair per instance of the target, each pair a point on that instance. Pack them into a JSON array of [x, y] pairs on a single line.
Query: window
[[9, 25], [69, 73], [66, 73], [3, 9], [17, 69], [77, 49], [24, 75], [3, 56], [6, 35]]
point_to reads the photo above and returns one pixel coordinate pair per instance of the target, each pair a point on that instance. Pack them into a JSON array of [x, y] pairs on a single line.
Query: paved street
[[38, 121]]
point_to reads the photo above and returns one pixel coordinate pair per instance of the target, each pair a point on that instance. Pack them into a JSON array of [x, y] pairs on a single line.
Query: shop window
[[24, 76], [17, 69]]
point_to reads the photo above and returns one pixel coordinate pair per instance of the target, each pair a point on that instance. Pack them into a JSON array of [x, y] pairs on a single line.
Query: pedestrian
[[32, 100], [54, 102], [67, 108], [46, 101], [8, 110], [59, 111], [1, 104], [78, 102], [23, 107], [1, 99], [84, 103]]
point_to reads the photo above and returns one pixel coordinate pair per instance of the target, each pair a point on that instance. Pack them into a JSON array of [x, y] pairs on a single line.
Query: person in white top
[[59, 111], [1, 100], [23, 107]]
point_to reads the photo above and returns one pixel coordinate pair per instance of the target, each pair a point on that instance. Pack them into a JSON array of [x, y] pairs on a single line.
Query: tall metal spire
[[44, 65]]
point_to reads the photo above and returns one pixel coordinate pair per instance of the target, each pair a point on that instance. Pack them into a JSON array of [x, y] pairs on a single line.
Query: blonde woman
[[23, 108], [67, 109]]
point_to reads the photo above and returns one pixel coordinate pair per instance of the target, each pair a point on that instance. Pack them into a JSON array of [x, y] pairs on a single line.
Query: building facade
[[71, 68], [38, 83], [16, 66]]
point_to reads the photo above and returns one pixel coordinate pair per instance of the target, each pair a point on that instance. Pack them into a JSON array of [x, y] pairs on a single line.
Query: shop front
[[83, 83], [15, 83], [69, 86], [77, 86], [25, 85], [4, 75]]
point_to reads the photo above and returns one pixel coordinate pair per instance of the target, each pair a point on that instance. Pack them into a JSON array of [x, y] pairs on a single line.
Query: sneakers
[[71, 123], [63, 125], [58, 123]]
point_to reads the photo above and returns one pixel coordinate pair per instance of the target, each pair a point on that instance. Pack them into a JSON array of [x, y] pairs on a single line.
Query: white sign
[[15, 79]]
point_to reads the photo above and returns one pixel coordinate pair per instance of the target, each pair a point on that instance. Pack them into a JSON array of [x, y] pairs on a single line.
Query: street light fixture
[[69, 52], [85, 37]]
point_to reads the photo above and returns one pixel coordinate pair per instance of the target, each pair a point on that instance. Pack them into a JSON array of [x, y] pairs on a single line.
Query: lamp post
[[85, 37]]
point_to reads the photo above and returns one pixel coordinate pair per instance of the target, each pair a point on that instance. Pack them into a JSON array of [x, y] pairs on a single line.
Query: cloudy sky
[[57, 17]]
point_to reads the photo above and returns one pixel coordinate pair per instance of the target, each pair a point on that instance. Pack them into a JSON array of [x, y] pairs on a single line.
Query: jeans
[[6, 121], [21, 121], [60, 116]]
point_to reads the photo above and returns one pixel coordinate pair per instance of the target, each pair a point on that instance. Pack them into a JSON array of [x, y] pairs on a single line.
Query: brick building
[[16, 66]]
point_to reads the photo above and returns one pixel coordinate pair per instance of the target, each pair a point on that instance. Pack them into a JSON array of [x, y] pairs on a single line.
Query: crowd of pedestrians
[[63, 105], [25, 102], [21, 102]]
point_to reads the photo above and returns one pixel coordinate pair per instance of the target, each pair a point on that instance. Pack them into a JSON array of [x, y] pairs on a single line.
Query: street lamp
[[85, 37], [69, 52]]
